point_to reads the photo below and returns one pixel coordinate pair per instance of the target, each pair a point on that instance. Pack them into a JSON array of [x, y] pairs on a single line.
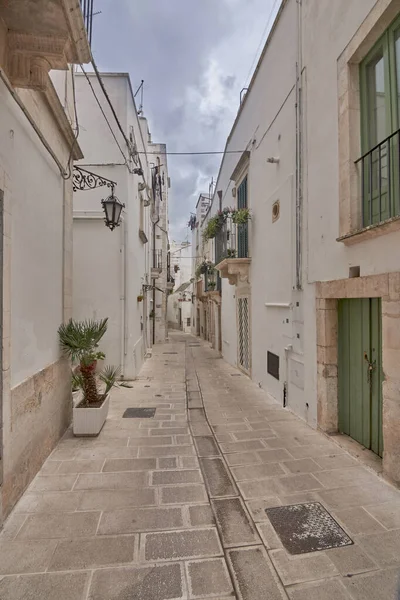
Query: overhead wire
[[68, 174], [261, 41], [194, 153], [105, 116], [107, 97]]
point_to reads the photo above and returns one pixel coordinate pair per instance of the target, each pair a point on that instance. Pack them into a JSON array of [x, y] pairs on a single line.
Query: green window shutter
[[380, 118], [242, 230]]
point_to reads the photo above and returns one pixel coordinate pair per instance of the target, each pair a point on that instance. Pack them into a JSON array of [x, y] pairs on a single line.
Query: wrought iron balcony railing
[[157, 259], [87, 11], [379, 172], [232, 241]]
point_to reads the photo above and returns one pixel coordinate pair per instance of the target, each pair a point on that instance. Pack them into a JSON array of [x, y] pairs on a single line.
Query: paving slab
[[33, 502], [358, 520], [129, 464], [59, 525], [183, 494], [381, 585], [113, 499], [383, 548], [303, 465], [175, 477], [297, 569], [131, 505], [233, 522], [160, 582], [81, 466], [259, 488], [387, 514], [25, 556], [178, 545], [111, 481], [206, 446], [82, 554], [217, 477], [53, 483], [351, 560], [209, 578], [333, 589], [201, 515], [48, 586], [254, 575], [257, 507], [257, 471], [242, 458], [139, 519]]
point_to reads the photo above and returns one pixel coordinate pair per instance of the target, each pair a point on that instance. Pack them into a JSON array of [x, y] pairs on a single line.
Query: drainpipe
[[154, 281], [123, 300], [299, 142]]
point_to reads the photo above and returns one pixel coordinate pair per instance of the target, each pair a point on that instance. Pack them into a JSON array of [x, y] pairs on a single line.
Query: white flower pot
[[90, 421]]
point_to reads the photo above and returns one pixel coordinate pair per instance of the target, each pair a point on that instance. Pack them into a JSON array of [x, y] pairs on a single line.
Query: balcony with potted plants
[[230, 230], [210, 283]]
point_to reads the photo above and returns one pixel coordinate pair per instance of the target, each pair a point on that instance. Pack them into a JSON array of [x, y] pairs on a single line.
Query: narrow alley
[[173, 505]]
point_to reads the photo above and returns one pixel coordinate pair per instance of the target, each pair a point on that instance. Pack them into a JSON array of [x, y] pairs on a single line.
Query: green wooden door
[[360, 371]]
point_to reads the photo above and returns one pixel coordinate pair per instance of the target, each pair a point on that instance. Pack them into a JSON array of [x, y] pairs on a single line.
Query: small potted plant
[[212, 285], [241, 216], [79, 341], [140, 298]]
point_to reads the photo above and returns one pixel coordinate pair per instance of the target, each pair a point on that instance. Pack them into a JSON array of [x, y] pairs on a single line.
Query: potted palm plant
[[79, 341]]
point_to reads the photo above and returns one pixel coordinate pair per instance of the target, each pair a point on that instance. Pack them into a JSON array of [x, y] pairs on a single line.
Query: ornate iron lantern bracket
[[85, 180]]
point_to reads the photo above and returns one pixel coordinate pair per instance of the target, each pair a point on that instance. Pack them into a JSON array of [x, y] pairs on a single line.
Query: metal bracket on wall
[[85, 180]]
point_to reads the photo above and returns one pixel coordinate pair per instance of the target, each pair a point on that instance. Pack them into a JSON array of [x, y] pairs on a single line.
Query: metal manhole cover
[[307, 528], [139, 413]]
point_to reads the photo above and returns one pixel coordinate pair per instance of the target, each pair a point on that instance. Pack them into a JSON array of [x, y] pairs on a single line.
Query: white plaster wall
[[98, 281], [267, 127], [115, 267], [337, 22], [37, 226]]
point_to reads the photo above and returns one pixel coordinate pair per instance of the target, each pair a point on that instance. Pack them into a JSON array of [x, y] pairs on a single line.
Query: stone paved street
[[173, 507]]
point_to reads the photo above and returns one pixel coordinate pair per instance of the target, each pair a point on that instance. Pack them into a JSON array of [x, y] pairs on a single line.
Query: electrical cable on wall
[[68, 174], [115, 114], [105, 117], [194, 153]]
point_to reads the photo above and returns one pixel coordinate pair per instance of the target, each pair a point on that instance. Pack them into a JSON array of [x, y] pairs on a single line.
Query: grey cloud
[[171, 45]]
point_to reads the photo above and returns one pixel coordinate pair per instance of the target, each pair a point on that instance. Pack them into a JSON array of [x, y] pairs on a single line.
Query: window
[[242, 230], [380, 123], [188, 322]]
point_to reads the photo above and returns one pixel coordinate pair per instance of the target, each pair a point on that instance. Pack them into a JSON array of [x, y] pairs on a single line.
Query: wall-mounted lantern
[[112, 209], [85, 180]]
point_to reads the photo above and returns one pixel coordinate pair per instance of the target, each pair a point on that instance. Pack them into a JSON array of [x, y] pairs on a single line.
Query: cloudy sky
[[194, 56]]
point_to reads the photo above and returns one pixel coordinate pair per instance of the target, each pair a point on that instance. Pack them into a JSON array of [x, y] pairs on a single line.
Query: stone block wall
[[41, 411]]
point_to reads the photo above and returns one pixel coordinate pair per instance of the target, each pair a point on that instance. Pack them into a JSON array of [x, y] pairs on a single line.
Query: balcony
[[232, 252], [156, 269], [39, 35]]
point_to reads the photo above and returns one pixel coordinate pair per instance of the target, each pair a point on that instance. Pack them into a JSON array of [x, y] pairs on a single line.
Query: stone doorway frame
[[386, 287]]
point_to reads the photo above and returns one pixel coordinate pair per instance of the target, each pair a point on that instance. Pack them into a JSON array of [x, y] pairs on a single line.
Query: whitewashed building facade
[[121, 274], [37, 147], [310, 285]]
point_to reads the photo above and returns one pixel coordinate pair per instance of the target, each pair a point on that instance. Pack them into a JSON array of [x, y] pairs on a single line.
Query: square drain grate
[[307, 528], [139, 413]]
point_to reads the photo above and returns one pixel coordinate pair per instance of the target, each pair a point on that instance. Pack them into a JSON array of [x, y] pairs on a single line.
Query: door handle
[[371, 367]]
